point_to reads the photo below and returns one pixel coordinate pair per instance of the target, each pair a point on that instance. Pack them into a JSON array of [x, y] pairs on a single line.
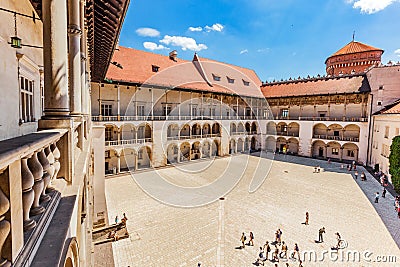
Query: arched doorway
[[253, 145], [144, 157], [215, 148], [232, 146], [128, 158], [270, 144], [240, 145], [196, 150], [185, 151], [318, 149], [172, 153], [206, 150]]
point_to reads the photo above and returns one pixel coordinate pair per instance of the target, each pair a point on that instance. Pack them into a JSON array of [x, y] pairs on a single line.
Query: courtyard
[[171, 227]]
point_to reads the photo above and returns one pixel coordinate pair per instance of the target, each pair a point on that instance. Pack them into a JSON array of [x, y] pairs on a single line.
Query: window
[[385, 151], [108, 134], [106, 109], [140, 154], [27, 88], [350, 153], [379, 103], [212, 112], [387, 132], [322, 114], [230, 80], [155, 68], [335, 151], [285, 113], [107, 154], [335, 133], [248, 112], [235, 109], [140, 110], [216, 78], [167, 110], [246, 83], [381, 87], [194, 111], [284, 128]]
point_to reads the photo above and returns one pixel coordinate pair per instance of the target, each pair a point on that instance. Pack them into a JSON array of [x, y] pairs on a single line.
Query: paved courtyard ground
[[165, 235]]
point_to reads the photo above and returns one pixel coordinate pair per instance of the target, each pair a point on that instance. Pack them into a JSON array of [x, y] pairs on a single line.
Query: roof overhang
[[104, 19]]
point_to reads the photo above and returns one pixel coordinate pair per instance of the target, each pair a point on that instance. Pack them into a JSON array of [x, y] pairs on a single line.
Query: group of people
[[272, 251]]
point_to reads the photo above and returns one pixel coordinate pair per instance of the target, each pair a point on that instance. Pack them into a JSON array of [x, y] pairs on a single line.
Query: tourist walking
[[124, 218], [296, 250], [356, 174], [363, 176], [251, 236], [267, 249], [376, 197], [275, 254], [338, 239], [116, 219], [243, 239], [384, 193], [320, 235], [284, 250], [307, 217]]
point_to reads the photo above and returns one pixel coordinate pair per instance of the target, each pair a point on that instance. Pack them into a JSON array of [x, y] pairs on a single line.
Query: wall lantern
[[16, 42]]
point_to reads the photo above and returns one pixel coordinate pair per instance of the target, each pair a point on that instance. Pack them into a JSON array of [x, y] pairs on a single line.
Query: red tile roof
[[395, 109], [317, 86], [355, 47], [137, 68]]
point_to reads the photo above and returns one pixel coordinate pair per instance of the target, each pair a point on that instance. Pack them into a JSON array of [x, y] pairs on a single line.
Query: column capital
[[74, 29]]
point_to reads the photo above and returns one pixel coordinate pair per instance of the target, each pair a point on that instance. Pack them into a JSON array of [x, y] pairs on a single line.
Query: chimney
[[173, 55]]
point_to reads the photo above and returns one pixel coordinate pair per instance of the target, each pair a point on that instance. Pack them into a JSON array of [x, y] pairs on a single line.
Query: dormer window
[[246, 83], [216, 77], [230, 80], [155, 68]]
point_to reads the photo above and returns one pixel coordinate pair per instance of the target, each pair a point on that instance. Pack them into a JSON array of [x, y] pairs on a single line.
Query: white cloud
[[371, 6], [244, 51], [397, 52], [153, 46], [215, 27], [184, 42], [148, 32], [262, 50], [195, 29]]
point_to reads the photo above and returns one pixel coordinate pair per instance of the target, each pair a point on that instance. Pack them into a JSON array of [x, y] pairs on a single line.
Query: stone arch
[[196, 130], [248, 127], [318, 149], [172, 153], [185, 151], [333, 150], [128, 131], [232, 146], [196, 150], [111, 161], [128, 159], [216, 129], [350, 151], [206, 130], [173, 131], [254, 128], [111, 132], [144, 132], [70, 254], [253, 143], [246, 145], [205, 149], [320, 131], [185, 131], [271, 128], [233, 128], [215, 148], [281, 145], [335, 132], [282, 128], [293, 129], [270, 144], [351, 132], [240, 128], [240, 145], [293, 146], [144, 157]]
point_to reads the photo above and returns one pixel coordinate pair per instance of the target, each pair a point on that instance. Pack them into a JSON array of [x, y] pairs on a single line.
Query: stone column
[[119, 104], [27, 194], [74, 59], [85, 89], [55, 57], [118, 163], [47, 171], [37, 171]]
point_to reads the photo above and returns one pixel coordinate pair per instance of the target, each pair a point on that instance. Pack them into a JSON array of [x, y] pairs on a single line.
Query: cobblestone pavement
[[163, 235]]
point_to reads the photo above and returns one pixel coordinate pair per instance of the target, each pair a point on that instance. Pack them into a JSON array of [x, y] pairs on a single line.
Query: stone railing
[[128, 142], [336, 138], [28, 165], [174, 118]]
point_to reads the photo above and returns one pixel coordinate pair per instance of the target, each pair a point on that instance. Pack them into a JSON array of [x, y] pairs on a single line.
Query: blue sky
[[277, 38]]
